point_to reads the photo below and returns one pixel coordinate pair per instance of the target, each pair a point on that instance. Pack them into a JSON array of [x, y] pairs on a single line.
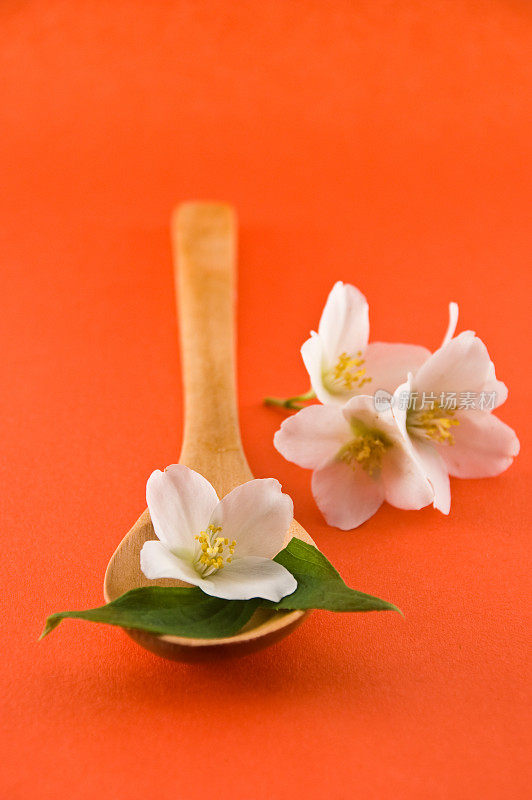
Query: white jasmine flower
[[360, 457], [449, 417], [340, 362], [223, 546]]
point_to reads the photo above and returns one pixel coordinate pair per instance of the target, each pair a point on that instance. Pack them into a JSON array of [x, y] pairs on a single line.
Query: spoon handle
[[204, 244]]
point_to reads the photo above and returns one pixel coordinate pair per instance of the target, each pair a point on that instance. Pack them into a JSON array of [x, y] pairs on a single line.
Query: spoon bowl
[[204, 246]]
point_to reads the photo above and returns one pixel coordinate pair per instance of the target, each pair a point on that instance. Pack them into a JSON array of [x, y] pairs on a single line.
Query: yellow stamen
[[366, 449], [347, 374], [216, 551], [433, 423]]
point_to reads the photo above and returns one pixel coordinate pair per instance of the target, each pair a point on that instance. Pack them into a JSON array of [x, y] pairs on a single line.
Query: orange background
[[382, 143]]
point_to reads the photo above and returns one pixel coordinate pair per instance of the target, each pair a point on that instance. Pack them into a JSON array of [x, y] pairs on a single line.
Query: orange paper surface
[[381, 143]]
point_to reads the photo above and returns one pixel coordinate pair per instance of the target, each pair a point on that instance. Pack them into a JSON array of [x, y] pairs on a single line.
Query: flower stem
[[293, 403]]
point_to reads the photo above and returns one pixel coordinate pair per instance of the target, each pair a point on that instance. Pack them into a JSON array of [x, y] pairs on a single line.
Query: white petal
[[483, 446], [250, 577], [180, 502], [156, 561], [400, 403], [388, 364], [314, 361], [405, 482], [453, 322], [461, 365], [363, 408], [313, 436], [437, 474], [344, 323], [257, 516], [494, 387], [346, 496]]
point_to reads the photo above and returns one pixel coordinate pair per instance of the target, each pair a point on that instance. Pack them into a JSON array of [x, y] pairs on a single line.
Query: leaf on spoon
[[168, 611], [319, 585], [187, 611]]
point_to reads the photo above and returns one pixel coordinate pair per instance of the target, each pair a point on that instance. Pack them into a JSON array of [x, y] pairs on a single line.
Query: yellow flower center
[[215, 551], [347, 374], [433, 423], [366, 449]]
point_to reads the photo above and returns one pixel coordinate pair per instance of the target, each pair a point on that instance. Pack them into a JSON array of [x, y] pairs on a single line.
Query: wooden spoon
[[204, 239]]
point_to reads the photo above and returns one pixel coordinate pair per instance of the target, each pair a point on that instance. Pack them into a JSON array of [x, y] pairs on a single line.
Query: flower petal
[[313, 436], [405, 482], [346, 496], [494, 387], [257, 516], [156, 561], [461, 365], [365, 409], [314, 361], [388, 364], [400, 402], [437, 474], [453, 322], [483, 446], [250, 577], [180, 502], [344, 323]]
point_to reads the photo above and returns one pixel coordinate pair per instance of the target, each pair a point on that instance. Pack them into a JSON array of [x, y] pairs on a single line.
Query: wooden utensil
[[204, 243]]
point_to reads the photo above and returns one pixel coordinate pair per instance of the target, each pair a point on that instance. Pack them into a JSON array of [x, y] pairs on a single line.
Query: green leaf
[[187, 611], [168, 611], [319, 585]]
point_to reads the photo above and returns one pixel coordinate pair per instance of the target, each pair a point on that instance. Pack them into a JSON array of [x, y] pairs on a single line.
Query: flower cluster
[[435, 420]]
